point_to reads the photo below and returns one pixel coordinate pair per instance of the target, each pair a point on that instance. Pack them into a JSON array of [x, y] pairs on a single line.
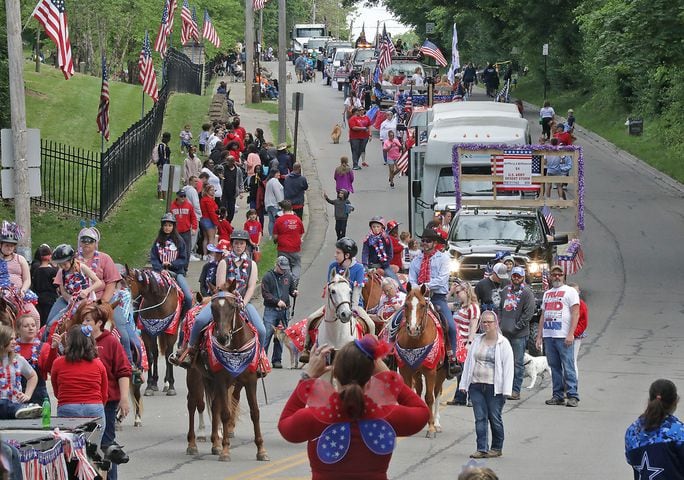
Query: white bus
[[302, 32]]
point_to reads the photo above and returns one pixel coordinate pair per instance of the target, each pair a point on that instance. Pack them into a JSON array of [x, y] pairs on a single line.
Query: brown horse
[[372, 290], [417, 334], [233, 339], [9, 307], [157, 306]]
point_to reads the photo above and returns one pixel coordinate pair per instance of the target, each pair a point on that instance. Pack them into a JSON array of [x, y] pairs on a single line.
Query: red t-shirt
[[79, 382], [253, 227], [397, 252], [358, 121], [289, 228], [583, 319], [46, 356], [208, 207], [224, 229], [113, 357], [564, 137]]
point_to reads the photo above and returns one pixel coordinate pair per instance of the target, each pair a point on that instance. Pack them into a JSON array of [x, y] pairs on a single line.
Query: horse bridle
[[238, 300], [421, 323], [139, 298], [344, 302]]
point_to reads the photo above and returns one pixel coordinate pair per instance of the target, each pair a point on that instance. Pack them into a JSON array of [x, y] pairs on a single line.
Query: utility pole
[[282, 73], [313, 11], [249, 50], [22, 197], [37, 50]]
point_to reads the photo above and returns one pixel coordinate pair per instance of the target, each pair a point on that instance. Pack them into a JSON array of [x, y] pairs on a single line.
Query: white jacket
[[503, 365]]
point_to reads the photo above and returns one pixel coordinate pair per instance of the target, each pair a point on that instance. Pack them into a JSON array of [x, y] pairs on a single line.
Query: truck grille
[[473, 267]]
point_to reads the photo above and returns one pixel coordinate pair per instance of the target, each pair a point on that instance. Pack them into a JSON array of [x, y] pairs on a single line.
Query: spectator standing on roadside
[[344, 176], [185, 138], [392, 147], [285, 161], [294, 186], [192, 165], [516, 308], [204, 137], [272, 197], [387, 125], [582, 324], [396, 262], [467, 318], [192, 196], [359, 135], [232, 188], [564, 137], [277, 286], [287, 233], [186, 221], [570, 121], [162, 156], [560, 315], [300, 66], [343, 208], [546, 116], [488, 290]]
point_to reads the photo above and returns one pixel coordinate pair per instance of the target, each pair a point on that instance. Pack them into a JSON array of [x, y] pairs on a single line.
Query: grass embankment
[[603, 119]]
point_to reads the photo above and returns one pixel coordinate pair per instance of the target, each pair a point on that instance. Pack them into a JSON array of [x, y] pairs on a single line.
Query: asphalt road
[[633, 246]]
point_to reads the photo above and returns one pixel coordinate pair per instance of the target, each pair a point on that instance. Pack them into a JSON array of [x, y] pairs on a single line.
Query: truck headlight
[[454, 265], [536, 268]]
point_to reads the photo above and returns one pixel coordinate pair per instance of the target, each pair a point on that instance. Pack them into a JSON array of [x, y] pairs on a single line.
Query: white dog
[[535, 366], [288, 345]]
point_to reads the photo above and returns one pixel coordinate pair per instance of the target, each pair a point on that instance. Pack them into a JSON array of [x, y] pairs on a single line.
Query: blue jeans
[[8, 409], [562, 363], [56, 310], [81, 410], [11, 454], [187, 294], [204, 318], [487, 410], [272, 215], [272, 318], [440, 303], [109, 434], [518, 345]]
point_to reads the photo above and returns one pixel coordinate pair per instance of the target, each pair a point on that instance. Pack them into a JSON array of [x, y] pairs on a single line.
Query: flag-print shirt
[[556, 312]]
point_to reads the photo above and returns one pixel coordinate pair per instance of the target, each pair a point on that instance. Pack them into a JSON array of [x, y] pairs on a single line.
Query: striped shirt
[[484, 364], [463, 317]]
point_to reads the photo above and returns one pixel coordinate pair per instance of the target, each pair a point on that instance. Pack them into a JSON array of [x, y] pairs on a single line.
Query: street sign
[[8, 182], [545, 49], [297, 101], [429, 27], [174, 186], [32, 147]]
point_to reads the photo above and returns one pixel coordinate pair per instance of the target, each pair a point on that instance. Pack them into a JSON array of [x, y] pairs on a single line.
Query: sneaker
[[195, 258], [478, 454], [356, 168], [455, 402], [30, 410], [572, 402], [364, 164], [206, 258], [494, 453], [277, 365], [555, 401], [514, 396], [391, 184]]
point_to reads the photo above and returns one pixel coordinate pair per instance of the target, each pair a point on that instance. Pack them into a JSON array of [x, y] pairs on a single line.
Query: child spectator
[[39, 355], [204, 136], [224, 227], [185, 137], [12, 368], [207, 279], [570, 121], [253, 227], [414, 249], [42, 277], [404, 238], [343, 208], [344, 176]]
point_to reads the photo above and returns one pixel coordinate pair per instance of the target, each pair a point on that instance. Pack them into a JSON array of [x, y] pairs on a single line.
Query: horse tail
[[233, 405]]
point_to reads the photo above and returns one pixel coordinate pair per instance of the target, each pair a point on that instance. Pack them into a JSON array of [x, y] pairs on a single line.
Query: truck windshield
[[363, 55], [309, 32], [445, 183], [496, 229]]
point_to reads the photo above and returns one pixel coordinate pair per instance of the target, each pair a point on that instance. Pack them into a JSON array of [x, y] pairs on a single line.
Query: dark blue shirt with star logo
[[656, 454]]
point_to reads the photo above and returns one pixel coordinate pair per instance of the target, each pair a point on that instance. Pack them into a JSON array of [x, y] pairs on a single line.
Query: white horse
[[339, 325]]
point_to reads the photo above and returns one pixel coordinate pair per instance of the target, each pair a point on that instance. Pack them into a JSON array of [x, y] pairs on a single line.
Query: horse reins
[[337, 306]]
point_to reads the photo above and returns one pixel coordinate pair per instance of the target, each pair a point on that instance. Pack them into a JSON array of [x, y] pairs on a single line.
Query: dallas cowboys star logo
[[645, 469]]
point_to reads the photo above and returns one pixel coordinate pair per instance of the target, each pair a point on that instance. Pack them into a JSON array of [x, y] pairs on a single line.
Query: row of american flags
[[51, 14]]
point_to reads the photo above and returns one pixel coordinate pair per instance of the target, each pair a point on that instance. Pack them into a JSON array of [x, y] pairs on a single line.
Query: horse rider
[[377, 248], [239, 266], [345, 263], [431, 269], [14, 270]]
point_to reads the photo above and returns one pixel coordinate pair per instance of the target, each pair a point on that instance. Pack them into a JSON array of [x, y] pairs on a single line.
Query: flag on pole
[[148, 77], [386, 51], [103, 112], [195, 34], [429, 49], [160, 44], [455, 58], [209, 32], [189, 27], [173, 5], [52, 15], [259, 4]]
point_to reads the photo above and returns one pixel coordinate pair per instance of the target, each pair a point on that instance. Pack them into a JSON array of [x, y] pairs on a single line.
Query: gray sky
[[371, 16]]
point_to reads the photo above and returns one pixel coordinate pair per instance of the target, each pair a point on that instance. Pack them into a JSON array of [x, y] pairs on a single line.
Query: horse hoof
[[263, 457], [192, 451], [166, 389], [153, 387], [438, 429], [149, 392], [430, 434], [171, 392], [224, 458], [215, 450], [137, 423], [201, 439]]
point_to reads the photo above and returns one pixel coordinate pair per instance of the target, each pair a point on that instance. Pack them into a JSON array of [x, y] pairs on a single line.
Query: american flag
[[498, 168], [431, 50], [545, 279], [103, 112], [161, 44], [572, 260], [148, 77], [548, 216], [189, 28], [386, 51], [259, 4], [173, 5], [195, 34], [209, 32], [52, 15]]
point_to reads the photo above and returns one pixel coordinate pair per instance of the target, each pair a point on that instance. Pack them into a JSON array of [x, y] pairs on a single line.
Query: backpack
[[155, 155]]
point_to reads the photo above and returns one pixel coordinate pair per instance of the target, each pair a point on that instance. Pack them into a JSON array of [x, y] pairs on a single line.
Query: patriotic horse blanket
[[429, 356], [168, 324]]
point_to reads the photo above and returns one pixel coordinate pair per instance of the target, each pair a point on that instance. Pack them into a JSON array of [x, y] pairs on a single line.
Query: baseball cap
[[557, 267], [181, 193], [501, 271], [518, 271], [223, 245], [213, 248], [283, 263]]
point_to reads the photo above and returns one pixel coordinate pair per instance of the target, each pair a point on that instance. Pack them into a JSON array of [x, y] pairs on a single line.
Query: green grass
[[273, 126], [268, 106], [593, 114], [65, 110], [129, 230], [268, 257]]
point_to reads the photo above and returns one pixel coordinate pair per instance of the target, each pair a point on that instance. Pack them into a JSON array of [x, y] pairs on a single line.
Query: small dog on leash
[[288, 345], [289, 77], [336, 133], [535, 366]]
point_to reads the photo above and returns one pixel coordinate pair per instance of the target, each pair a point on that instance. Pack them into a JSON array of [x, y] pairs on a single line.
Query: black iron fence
[[90, 184]]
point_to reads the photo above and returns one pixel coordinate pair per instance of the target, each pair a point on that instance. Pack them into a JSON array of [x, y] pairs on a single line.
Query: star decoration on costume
[[645, 469]]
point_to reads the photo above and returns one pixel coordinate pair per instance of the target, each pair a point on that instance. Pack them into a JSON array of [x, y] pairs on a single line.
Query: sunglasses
[[556, 274], [87, 240], [425, 240]]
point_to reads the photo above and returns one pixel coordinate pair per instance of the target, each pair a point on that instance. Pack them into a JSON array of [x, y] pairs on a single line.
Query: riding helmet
[[347, 245], [239, 235], [377, 219], [8, 239], [63, 253], [168, 217]]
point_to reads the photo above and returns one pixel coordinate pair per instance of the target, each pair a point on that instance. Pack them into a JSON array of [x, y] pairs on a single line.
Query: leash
[[263, 382], [294, 304]]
